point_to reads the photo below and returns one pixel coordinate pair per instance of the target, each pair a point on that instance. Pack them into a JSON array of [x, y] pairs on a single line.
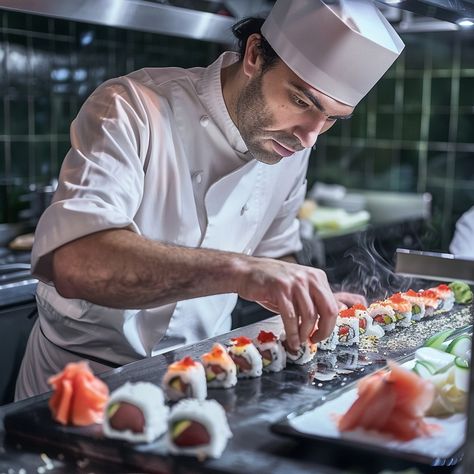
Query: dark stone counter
[[37, 444]]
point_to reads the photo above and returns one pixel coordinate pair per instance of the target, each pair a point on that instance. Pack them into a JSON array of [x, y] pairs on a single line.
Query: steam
[[371, 275]]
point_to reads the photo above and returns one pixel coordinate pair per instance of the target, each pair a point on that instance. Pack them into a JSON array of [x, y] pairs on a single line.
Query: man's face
[[279, 114]]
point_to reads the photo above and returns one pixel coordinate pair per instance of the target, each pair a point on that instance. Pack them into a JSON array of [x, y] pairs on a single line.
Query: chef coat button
[[197, 176], [204, 120], [244, 209]]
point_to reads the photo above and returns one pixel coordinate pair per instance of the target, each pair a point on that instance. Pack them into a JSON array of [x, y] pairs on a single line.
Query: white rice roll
[[358, 311], [246, 357], [185, 378], [198, 428], [382, 315], [330, 343], [221, 371], [417, 304], [136, 412], [347, 330], [272, 351], [303, 355], [446, 295]]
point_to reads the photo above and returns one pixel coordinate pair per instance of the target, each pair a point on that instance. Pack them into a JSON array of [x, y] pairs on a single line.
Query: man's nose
[[307, 132]]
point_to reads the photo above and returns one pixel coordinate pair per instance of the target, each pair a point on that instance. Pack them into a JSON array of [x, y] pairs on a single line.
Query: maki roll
[[446, 295], [330, 343], [347, 330], [185, 379], [136, 412], [366, 325], [272, 351], [417, 304], [382, 315], [198, 428], [433, 303], [220, 368], [246, 357], [303, 355], [401, 308]]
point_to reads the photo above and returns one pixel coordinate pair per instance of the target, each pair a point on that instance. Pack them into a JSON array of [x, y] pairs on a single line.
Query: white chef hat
[[340, 47]]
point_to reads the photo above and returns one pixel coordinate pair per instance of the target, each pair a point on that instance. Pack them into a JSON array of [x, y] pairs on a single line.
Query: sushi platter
[[253, 390]]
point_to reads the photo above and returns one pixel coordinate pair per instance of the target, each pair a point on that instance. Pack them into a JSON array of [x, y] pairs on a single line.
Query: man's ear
[[251, 62]]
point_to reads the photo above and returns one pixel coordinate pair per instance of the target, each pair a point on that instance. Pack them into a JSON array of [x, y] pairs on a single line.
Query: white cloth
[[462, 244], [156, 151]]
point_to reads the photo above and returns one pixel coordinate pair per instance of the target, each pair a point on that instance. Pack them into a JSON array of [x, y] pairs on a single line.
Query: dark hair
[[248, 26]]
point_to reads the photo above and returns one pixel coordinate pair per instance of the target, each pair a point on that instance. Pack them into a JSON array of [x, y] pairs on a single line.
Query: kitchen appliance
[[434, 266]]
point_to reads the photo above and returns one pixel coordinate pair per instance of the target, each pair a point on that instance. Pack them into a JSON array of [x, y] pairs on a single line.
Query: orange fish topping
[[240, 341], [443, 287], [397, 298], [350, 312], [265, 336], [183, 364], [411, 292]]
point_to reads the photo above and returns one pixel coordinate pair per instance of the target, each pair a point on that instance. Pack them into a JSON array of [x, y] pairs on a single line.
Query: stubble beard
[[253, 121]]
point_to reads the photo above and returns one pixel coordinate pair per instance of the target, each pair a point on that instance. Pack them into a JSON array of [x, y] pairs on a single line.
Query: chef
[[181, 188], [462, 243]]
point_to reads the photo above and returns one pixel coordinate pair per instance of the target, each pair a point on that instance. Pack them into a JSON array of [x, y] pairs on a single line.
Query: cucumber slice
[[436, 340], [424, 369], [461, 363], [461, 374], [439, 359], [460, 346]]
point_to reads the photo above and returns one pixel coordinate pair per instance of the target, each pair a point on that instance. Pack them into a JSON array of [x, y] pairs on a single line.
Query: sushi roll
[[347, 330], [417, 304], [303, 355], [330, 343], [402, 309], [446, 295], [272, 351], [198, 428], [382, 315], [136, 412], [246, 357], [221, 371], [185, 378], [366, 325], [433, 303]]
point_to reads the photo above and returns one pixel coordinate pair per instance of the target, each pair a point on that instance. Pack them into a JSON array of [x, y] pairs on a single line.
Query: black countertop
[[252, 407]]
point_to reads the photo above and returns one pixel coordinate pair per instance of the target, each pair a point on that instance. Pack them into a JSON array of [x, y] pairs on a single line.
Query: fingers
[[290, 321], [306, 310], [350, 299]]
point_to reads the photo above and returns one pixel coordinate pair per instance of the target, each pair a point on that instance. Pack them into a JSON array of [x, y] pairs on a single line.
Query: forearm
[[119, 268]]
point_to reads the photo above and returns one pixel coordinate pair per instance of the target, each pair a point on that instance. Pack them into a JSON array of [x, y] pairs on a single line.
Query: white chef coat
[[156, 151], [462, 244]]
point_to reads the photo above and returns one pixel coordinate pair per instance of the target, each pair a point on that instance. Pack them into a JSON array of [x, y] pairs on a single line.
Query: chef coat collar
[[210, 88]]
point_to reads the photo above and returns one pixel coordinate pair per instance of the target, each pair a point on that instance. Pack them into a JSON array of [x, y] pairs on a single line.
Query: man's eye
[[331, 119], [299, 102]]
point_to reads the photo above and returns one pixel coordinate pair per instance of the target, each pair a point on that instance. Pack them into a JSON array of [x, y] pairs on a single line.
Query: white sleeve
[[462, 244], [102, 176], [283, 236]]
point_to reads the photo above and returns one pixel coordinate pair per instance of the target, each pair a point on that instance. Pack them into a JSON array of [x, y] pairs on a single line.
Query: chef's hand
[[346, 300], [300, 294]]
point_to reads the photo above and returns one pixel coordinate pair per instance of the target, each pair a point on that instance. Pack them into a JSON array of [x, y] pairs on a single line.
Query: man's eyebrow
[[314, 100]]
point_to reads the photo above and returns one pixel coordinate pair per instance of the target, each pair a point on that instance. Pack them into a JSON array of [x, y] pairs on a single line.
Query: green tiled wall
[[414, 132], [48, 67]]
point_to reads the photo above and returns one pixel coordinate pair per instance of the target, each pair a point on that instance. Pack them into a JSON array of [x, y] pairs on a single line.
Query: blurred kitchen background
[[398, 174]]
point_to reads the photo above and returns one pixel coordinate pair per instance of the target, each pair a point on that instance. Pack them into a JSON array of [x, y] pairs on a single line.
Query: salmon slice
[[373, 406], [392, 402], [79, 397]]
